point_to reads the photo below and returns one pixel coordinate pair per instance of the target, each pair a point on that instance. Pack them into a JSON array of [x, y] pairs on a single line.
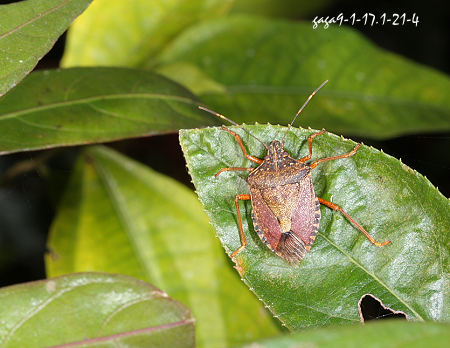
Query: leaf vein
[[372, 275]]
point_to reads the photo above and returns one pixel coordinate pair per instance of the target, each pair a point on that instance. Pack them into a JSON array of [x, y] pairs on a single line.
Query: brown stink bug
[[285, 209]]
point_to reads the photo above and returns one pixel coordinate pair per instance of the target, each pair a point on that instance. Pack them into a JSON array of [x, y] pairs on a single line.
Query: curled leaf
[[88, 309]]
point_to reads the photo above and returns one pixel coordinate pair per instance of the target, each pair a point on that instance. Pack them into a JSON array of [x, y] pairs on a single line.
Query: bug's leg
[[230, 169], [241, 229], [310, 140], [358, 226], [239, 140], [351, 153]]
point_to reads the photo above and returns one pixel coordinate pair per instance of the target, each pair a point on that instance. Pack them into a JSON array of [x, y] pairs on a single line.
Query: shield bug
[[285, 209]]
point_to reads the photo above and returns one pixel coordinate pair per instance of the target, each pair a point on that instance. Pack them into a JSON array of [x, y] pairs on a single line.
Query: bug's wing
[[306, 214], [264, 221], [291, 247]]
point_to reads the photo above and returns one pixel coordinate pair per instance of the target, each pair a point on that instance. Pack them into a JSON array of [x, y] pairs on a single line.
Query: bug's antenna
[[231, 121], [301, 109]]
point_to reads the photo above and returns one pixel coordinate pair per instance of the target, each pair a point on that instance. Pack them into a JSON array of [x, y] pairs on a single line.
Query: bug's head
[[276, 151]]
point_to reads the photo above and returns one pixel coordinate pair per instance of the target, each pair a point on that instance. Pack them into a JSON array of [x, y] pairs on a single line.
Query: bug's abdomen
[[287, 217]]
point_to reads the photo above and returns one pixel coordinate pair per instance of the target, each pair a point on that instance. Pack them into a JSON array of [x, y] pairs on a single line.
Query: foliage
[[141, 68]]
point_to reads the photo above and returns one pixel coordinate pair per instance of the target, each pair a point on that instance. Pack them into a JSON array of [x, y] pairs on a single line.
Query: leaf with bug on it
[[375, 189]]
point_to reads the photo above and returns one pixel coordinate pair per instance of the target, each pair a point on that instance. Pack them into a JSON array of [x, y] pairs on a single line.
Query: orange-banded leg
[[316, 163], [241, 229], [310, 140], [230, 169], [351, 153], [239, 140], [251, 158], [245, 197], [338, 208], [358, 226]]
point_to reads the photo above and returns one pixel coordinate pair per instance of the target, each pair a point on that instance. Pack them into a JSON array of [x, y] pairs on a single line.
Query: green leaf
[[92, 310], [386, 333], [28, 29], [144, 28], [119, 216], [267, 69], [385, 196], [91, 105]]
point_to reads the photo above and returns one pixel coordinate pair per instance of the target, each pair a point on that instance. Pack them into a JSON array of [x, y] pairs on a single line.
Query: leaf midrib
[[35, 18], [361, 97], [93, 99], [115, 197], [114, 337]]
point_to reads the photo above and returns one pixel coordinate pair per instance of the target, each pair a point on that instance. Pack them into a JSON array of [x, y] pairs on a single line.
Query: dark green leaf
[[90, 105], [287, 8], [254, 69], [392, 333], [92, 310], [28, 29], [99, 38], [389, 199], [119, 216]]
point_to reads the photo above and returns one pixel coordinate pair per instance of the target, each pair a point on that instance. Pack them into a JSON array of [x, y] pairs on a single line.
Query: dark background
[[28, 198]]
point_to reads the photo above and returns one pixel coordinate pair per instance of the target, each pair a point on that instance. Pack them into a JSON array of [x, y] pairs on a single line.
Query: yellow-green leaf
[[130, 33]]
